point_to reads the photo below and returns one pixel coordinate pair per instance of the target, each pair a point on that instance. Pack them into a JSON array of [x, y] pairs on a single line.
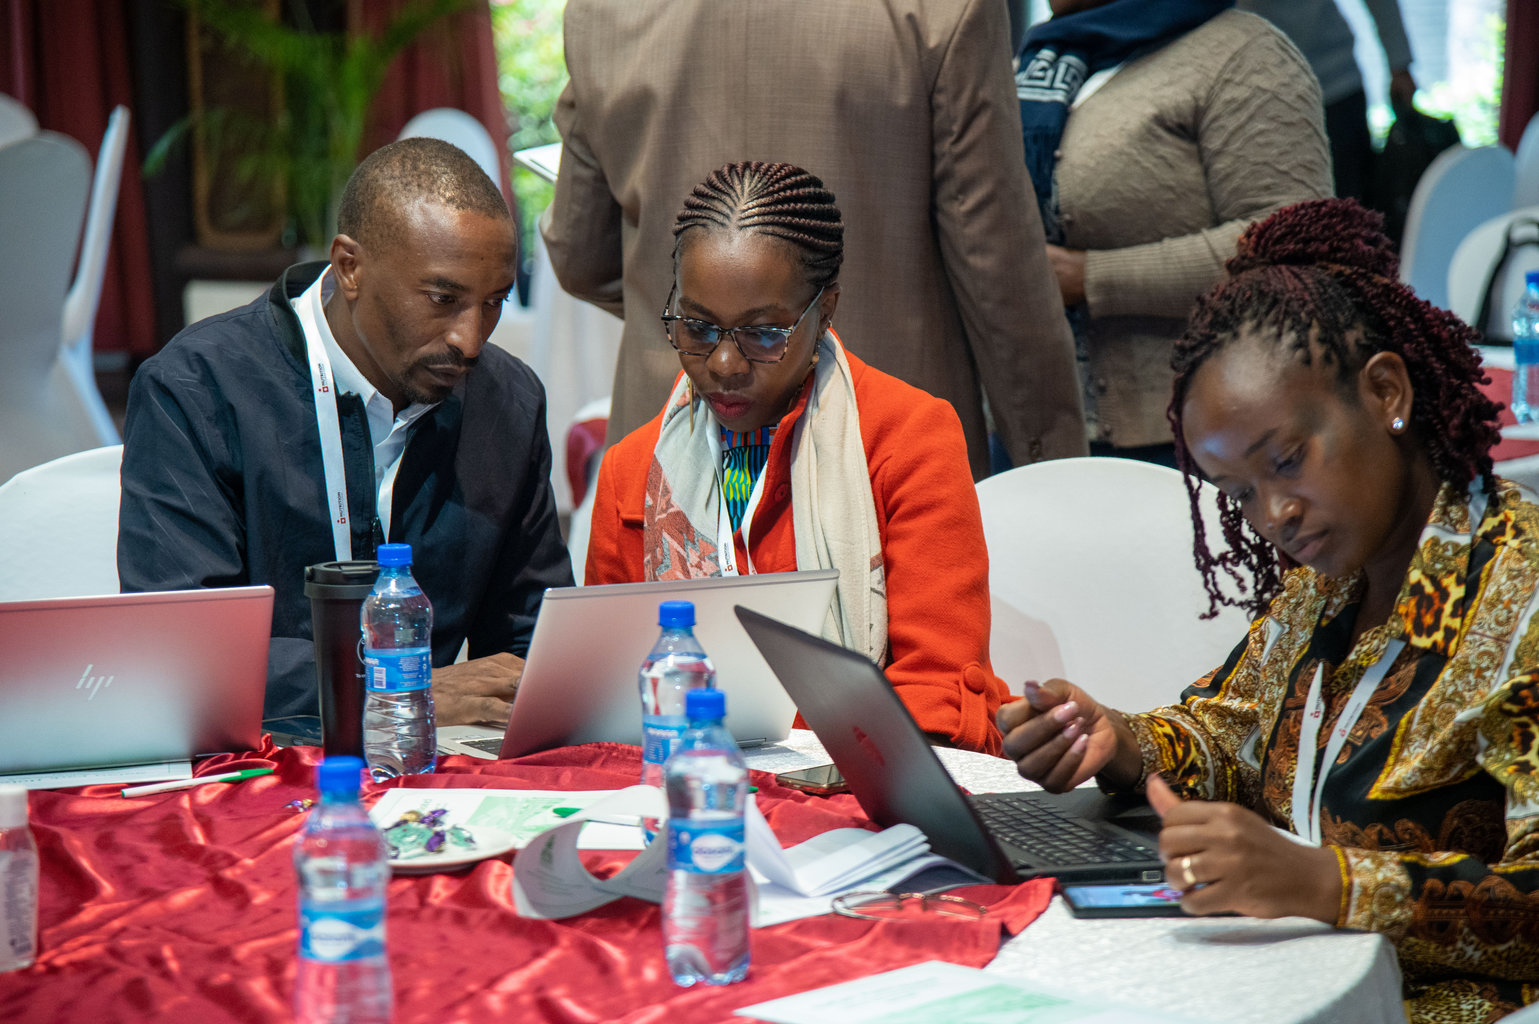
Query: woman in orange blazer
[[778, 450]]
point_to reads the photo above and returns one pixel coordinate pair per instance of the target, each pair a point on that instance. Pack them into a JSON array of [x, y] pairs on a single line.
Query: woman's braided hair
[[1320, 278], [773, 199]]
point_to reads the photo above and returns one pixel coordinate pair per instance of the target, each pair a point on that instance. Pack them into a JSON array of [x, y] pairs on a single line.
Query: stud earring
[[1396, 425]]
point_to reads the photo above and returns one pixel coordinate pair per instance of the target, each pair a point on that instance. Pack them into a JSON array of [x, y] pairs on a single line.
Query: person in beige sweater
[[1164, 160]]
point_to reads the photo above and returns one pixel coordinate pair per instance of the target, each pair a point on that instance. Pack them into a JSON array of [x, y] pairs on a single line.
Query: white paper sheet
[[942, 993], [521, 813], [542, 160], [550, 881]]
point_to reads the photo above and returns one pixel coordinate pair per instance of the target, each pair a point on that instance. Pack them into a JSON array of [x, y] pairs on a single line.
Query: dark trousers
[[1346, 125]]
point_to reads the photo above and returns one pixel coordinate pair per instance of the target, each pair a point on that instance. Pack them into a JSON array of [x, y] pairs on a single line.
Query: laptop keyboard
[[1051, 837], [491, 744]]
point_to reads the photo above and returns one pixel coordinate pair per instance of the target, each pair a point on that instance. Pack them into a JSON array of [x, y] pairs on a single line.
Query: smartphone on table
[[1158, 899], [824, 780]]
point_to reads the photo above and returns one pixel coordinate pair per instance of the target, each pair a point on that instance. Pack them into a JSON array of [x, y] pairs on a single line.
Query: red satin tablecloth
[[1499, 389], [182, 907]]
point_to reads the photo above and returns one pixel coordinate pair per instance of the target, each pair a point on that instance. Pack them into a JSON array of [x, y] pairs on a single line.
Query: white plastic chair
[[16, 120], [1525, 188], [85, 294], [59, 527], [1527, 1015], [1461, 189], [1472, 263], [1092, 580], [464, 131], [44, 181]]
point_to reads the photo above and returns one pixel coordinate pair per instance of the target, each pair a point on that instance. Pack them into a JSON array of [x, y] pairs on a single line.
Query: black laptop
[[1083, 836]]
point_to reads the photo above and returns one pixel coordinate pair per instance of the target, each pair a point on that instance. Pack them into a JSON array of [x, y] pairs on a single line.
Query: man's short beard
[[417, 396]]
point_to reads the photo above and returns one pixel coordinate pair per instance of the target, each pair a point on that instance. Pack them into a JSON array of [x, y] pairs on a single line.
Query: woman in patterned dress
[[1368, 756]]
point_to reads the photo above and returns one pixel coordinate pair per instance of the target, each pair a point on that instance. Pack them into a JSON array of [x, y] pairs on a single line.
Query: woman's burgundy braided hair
[[1321, 278], [781, 200]]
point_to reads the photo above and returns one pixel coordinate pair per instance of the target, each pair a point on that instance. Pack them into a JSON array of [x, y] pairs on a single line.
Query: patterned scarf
[[1059, 54], [833, 513]]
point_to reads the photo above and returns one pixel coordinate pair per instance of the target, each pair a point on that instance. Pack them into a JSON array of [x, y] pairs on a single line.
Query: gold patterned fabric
[[1434, 798]]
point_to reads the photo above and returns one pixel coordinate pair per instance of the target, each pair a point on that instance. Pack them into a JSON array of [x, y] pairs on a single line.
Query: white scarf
[[832, 511]]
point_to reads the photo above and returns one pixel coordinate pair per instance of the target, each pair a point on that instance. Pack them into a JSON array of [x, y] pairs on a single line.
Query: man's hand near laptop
[[477, 692]]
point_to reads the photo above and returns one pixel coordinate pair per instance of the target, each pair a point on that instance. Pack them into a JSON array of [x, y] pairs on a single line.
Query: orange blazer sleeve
[[936, 564]]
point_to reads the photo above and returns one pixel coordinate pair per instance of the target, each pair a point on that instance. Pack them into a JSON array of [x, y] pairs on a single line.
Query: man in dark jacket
[[231, 468]]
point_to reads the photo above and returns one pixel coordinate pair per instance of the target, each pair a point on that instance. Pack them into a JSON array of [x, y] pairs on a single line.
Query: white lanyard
[[1308, 787], [725, 549], [323, 384], [726, 552]]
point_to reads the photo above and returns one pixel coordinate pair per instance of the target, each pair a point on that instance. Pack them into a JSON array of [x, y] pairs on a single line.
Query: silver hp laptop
[[897, 778], [132, 679], [579, 683]]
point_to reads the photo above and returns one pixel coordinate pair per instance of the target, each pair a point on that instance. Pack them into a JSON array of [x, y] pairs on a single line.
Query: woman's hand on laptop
[[476, 692], [1058, 737]]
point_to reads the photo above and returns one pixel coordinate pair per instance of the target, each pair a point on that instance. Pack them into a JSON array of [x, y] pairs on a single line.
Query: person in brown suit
[[905, 108]]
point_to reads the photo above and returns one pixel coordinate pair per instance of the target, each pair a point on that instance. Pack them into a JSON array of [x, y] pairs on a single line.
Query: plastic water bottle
[[705, 905], [18, 882], [398, 734], [675, 665], [1525, 352], [343, 868]]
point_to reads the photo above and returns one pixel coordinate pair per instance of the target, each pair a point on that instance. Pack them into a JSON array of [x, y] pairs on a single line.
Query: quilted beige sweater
[[1159, 172]]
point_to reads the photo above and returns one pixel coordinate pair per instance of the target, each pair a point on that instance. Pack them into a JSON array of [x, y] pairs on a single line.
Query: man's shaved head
[[402, 174]]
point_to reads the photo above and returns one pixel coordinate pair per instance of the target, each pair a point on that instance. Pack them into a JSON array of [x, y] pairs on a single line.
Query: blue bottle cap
[[676, 614], [707, 703], [394, 554], [1532, 278], [340, 775]]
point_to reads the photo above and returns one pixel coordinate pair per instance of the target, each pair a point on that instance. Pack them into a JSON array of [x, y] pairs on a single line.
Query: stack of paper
[[550, 881], [804, 880]]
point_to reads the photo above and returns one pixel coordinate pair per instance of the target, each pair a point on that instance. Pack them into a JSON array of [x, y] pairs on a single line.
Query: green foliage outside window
[[1473, 98], [531, 71]]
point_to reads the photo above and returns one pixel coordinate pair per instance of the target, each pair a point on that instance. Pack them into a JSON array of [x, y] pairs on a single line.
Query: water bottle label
[[341, 936], [18, 906], [661, 736], [397, 670], [1525, 350], [705, 848]]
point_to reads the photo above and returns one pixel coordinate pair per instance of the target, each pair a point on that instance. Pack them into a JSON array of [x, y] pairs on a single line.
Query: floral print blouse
[[1433, 801]]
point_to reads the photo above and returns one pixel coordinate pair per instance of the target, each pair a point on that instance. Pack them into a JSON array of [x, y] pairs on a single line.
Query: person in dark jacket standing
[[423, 435]]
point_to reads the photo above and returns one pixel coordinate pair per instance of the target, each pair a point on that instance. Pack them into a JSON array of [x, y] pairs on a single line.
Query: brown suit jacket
[[905, 108]]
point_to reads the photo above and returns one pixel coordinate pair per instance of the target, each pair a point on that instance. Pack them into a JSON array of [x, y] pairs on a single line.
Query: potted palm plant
[[302, 144]]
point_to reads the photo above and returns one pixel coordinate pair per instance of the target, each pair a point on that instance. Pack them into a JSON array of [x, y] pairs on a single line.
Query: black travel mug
[[336, 591]]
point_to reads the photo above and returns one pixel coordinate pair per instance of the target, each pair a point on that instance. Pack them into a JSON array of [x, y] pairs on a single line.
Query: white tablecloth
[[1236, 970]]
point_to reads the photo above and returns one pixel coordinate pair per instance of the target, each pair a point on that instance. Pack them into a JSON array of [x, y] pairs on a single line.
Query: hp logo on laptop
[[93, 683]]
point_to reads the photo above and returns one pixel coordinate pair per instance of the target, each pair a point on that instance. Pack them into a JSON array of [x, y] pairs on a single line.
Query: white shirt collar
[[381, 414]]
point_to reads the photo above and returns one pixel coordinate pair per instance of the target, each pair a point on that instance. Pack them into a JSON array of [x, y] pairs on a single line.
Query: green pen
[[166, 787]]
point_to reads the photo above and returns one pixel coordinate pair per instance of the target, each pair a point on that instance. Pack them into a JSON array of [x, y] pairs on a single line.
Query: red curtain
[[1520, 80], [453, 64], [68, 61]]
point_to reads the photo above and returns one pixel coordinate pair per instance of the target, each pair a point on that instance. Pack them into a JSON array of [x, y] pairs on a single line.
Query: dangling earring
[[1396, 425]]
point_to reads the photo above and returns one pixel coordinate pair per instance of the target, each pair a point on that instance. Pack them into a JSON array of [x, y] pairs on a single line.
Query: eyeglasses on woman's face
[[758, 344]]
